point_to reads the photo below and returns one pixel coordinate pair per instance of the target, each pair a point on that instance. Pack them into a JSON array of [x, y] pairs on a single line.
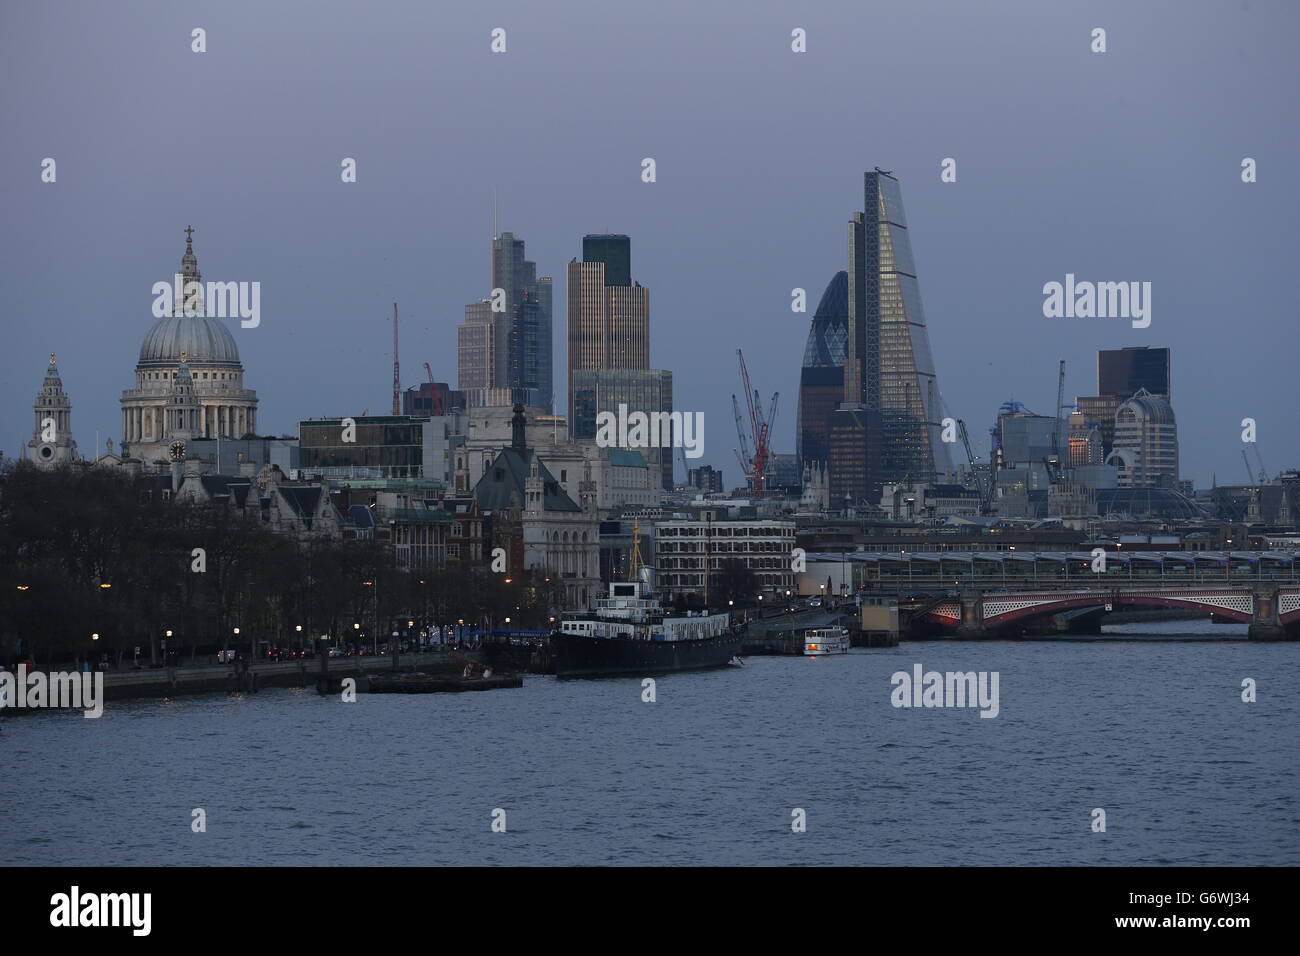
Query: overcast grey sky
[[1123, 165]]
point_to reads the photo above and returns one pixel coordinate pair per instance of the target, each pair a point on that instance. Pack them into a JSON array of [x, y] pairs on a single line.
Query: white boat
[[820, 641]]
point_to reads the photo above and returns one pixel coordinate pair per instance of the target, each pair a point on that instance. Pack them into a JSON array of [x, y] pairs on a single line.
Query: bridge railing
[[1111, 579]]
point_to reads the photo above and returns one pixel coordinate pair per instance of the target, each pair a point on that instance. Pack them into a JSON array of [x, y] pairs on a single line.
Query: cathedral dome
[[205, 340]]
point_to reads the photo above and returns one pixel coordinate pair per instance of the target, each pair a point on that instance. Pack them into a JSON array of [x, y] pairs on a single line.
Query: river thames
[[1149, 728]]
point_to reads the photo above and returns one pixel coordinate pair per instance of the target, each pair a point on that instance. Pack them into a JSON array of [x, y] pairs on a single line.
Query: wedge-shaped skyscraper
[[888, 371]]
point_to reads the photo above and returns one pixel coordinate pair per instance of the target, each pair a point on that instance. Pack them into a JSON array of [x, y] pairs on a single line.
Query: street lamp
[[94, 637]]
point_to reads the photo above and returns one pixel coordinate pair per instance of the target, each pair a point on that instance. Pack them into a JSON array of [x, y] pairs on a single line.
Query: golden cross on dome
[[184, 357]]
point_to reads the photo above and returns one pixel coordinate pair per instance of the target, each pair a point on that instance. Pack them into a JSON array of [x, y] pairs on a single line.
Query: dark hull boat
[[582, 656], [424, 684], [630, 632]]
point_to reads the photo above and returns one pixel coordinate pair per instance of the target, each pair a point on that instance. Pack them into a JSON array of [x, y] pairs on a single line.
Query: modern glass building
[[1125, 372], [641, 390], [388, 446], [888, 369], [615, 251], [821, 381], [510, 349]]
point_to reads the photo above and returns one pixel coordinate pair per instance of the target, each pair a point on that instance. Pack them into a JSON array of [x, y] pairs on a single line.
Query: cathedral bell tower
[[52, 442]]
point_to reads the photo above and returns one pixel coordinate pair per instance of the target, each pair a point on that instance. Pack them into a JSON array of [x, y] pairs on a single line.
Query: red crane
[[397, 369], [760, 430]]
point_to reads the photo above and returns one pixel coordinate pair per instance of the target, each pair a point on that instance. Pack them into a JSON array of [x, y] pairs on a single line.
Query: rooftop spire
[[518, 441], [189, 240]]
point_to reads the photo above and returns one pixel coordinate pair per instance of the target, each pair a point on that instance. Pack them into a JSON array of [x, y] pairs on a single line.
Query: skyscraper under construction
[[890, 412]]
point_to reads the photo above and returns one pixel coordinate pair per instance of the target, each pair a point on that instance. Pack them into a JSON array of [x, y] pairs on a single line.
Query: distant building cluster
[[490, 468]]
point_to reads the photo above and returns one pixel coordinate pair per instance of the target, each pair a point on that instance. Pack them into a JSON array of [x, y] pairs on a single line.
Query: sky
[[1115, 166]]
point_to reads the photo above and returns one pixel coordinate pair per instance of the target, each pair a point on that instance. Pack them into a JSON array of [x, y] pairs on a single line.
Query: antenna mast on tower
[[397, 369]]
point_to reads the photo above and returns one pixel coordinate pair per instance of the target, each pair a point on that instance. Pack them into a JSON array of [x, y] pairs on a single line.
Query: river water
[[1146, 727]]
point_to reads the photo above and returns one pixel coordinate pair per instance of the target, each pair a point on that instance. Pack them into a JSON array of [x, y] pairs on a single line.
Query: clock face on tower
[[178, 450]]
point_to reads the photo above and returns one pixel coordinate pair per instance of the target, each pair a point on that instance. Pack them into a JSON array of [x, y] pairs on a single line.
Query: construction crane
[[742, 453], [1263, 472], [754, 466], [397, 369], [1054, 463], [986, 496], [433, 387]]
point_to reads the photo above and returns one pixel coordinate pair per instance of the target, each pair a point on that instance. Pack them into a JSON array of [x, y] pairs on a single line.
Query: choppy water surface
[[1153, 731]]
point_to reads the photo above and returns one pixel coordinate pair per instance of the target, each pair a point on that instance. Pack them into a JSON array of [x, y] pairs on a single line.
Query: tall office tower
[[821, 381], [855, 434], [609, 323], [524, 364], [1121, 374], [475, 348], [509, 349], [1146, 442], [615, 251], [888, 372], [1126, 372], [545, 343]]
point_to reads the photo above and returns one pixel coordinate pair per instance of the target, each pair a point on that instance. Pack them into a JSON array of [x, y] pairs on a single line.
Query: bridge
[[977, 594], [1271, 610]]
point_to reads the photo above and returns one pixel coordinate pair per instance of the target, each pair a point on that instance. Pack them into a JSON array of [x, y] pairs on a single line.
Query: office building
[[821, 380], [509, 348], [603, 390], [609, 315], [889, 377]]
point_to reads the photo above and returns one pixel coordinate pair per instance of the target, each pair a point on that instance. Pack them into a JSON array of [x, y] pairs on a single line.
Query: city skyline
[[332, 257]]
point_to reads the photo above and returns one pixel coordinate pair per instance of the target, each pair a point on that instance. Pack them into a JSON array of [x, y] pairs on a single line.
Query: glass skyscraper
[[888, 369], [641, 390], [510, 349], [821, 381]]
